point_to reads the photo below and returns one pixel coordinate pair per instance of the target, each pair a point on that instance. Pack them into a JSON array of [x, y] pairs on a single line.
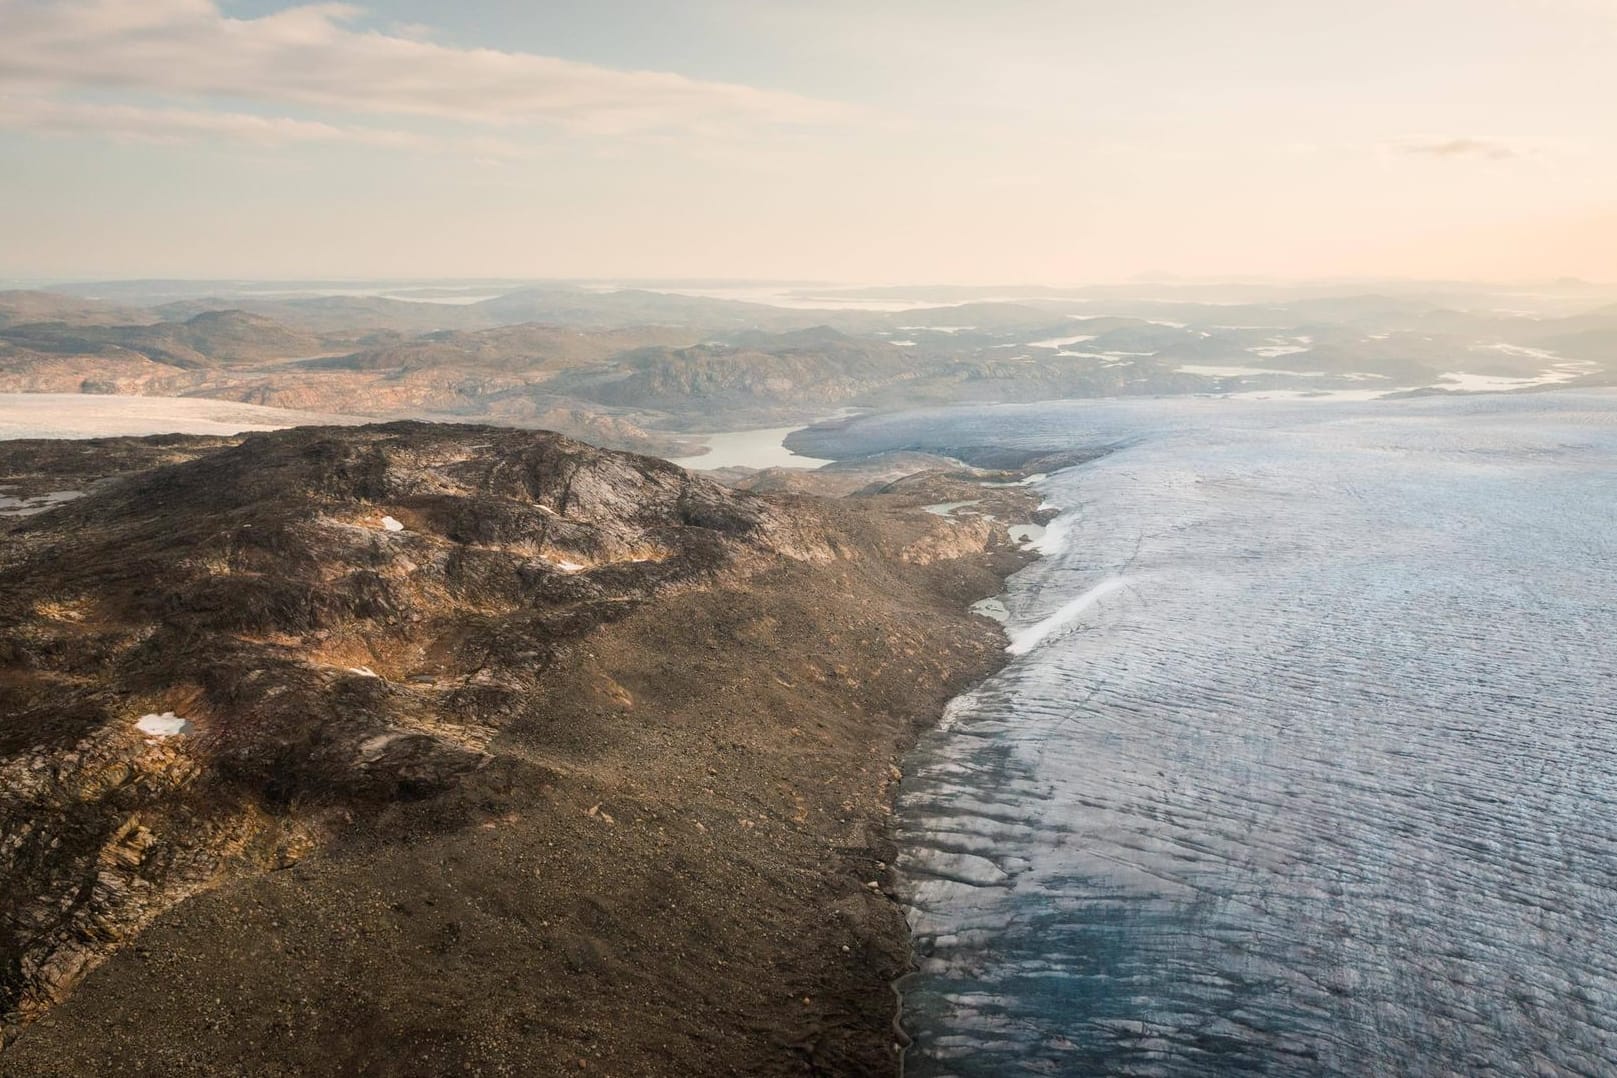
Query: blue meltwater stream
[[1303, 762]]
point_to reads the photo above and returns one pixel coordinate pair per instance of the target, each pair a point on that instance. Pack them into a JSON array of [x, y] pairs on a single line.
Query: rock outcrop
[[341, 617], [368, 654]]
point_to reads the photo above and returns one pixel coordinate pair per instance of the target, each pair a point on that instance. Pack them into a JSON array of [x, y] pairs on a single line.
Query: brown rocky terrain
[[495, 374], [417, 749], [209, 339], [527, 347], [23, 306], [624, 369], [641, 370], [754, 378]]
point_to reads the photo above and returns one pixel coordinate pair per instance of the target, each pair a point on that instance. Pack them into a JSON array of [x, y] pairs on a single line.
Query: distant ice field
[[83, 415]]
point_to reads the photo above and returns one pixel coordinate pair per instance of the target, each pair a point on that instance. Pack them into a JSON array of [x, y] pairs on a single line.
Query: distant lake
[[749, 449]]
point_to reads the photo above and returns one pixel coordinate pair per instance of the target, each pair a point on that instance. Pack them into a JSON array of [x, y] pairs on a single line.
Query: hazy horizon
[[922, 283], [804, 291], [1068, 143]]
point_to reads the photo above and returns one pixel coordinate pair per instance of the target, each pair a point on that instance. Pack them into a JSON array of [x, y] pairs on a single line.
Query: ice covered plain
[[1302, 763], [84, 415]]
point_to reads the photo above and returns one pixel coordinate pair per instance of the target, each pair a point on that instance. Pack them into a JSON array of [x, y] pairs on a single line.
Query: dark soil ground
[[675, 862]]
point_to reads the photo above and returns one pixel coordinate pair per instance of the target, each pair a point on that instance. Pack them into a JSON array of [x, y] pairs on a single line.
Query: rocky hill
[[211, 338], [757, 376], [22, 306], [529, 347], [641, 370], [457, 748]]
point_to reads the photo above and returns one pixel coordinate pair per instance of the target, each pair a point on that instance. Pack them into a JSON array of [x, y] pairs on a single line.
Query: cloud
[[175, 125], [317, 56], [133, 123], [1482, 148]]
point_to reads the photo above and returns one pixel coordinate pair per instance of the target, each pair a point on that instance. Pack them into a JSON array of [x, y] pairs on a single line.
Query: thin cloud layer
[[1488, 149], [136, 123], [316, 56], [177, 125]]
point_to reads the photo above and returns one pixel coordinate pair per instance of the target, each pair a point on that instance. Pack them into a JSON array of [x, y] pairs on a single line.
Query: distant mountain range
[[632, 368]]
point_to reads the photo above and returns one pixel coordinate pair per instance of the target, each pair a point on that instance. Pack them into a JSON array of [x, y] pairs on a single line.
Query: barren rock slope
[[408, 659]]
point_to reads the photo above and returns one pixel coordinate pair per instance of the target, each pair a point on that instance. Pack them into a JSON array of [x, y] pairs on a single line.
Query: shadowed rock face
[[342, 617]]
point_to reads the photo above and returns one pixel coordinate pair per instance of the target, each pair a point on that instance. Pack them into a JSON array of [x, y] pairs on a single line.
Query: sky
[[937, 141]]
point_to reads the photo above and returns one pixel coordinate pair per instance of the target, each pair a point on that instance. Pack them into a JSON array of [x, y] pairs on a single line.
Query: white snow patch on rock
[[372, 748], [991, 608], [167, 724]]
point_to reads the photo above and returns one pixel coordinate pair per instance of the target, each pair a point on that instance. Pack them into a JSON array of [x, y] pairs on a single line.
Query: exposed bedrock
[[355, 643]]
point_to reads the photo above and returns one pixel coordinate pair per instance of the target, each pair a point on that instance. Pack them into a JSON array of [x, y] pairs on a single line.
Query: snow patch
[[26, 505], [372, 748], [991, 608], [1025, 640], [1517, 350], [1484, 383], [1314, 394], [167, 724], [1240, 372], [1062, 342]]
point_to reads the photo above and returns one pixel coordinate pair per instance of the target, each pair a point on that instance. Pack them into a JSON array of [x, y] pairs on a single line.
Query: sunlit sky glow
[[921, 140]]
